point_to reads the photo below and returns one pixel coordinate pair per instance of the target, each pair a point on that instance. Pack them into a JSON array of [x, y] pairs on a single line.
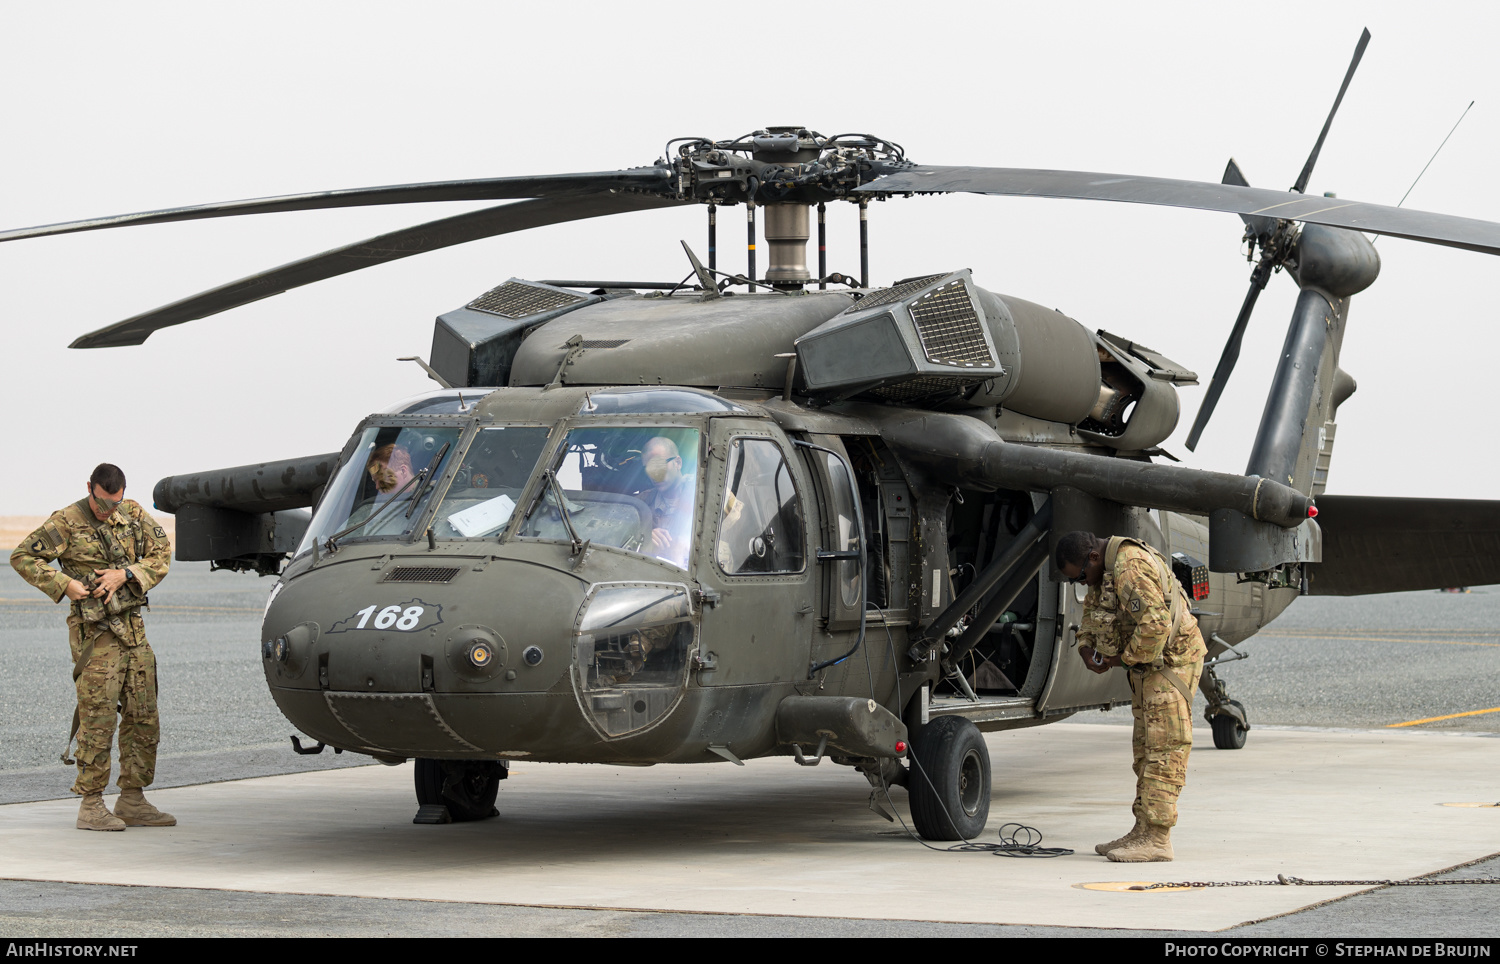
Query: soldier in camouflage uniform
[[110, 553], [1136, 615]]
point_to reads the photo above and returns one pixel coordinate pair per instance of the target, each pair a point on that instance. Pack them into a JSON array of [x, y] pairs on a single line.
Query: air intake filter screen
[[950, 329], [516, 299], [924, 338]]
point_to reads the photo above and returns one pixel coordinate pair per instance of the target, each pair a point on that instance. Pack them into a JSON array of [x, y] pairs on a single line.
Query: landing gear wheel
[[466, 787], [949, 786], [1229, 732]]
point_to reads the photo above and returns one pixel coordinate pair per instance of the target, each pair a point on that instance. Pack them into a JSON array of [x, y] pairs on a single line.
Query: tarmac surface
[[275, 844]]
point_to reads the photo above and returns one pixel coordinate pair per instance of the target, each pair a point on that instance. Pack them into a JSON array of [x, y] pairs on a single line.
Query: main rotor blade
[[1359, 51], [1445, 229], [1262, 227], [1258, 278], [484, 189], [404, 243]]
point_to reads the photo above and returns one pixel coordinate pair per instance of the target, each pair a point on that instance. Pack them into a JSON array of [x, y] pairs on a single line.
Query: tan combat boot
[[94, 815], [1154, 843], [133, 809], [1129, 838]]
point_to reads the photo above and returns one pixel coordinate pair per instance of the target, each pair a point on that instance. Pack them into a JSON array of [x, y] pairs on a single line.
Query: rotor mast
[[787, 222]]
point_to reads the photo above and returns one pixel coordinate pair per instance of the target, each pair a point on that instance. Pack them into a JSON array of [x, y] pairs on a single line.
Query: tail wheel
[[950, 786], [466, 787], [1229, 733]]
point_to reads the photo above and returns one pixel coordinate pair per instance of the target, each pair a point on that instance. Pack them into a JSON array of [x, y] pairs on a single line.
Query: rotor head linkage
[[713, 235], [864, 243], [750, 242], [822, 245]]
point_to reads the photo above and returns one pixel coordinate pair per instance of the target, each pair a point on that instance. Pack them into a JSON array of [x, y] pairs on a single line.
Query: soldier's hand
[[76, 590], [1095, 662], [109, 581]]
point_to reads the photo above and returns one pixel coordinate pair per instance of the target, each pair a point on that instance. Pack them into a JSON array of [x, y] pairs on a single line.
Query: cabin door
[[755, 560]]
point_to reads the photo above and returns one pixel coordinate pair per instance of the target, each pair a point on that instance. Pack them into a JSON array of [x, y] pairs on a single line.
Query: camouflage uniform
[[1130, 616], [113, 665]]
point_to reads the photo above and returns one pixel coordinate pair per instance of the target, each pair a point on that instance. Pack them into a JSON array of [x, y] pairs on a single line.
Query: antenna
[[1435, 154], [1428, 164]]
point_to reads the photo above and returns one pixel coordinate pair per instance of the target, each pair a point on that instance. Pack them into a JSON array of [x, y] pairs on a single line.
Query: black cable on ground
[[1023, 841]]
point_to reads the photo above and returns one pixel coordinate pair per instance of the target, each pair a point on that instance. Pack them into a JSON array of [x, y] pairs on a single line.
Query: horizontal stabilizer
[[1373, 544]]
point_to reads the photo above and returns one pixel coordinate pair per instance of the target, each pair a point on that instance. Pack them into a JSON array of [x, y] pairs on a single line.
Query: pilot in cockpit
[[670, 499], [390, 468]]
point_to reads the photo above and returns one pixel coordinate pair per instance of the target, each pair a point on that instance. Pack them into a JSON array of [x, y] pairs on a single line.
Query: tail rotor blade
[[1231, 354], [1233, 175], [1359, 51], [1262, 227]]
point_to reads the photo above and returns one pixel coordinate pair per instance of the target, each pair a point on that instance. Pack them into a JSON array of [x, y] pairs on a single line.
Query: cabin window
[[845, 529]]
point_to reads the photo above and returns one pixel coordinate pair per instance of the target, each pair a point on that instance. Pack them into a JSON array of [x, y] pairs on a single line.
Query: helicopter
[[782, 513]]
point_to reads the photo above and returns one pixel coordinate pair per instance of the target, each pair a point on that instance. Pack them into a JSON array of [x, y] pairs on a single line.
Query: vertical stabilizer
[[1293, 443]]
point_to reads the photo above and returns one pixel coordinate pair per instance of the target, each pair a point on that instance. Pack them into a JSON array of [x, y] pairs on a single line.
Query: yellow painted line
[[1371, 631], [1393, 639], [1450, 716], [1374, 631], [1129, 886], [1440, 637]]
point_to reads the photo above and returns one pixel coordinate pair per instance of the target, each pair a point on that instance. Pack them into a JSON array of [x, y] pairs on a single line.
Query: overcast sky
[[112, 108]]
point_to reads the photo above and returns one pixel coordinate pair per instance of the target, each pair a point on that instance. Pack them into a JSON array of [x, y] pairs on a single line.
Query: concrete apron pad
[[775, 838]]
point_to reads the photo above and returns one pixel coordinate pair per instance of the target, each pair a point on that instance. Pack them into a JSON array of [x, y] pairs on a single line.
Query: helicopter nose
[[423, 629], [422, 660]]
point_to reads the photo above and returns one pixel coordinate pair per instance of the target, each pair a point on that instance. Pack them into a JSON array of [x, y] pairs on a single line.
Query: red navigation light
[[1312, 512], [900, 747]]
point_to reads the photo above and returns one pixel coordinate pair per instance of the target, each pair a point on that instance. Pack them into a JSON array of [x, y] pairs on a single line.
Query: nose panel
[[407, 723]]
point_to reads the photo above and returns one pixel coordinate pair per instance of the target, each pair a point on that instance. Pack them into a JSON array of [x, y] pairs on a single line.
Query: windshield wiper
[[562, 510], [437, 460]]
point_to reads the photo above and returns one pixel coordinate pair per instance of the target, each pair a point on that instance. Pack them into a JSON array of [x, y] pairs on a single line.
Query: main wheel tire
[[1229, 733], [950, 786], [471, 790]]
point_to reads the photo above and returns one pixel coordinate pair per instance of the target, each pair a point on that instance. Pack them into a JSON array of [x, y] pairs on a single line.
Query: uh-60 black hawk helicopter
[[781, 514]]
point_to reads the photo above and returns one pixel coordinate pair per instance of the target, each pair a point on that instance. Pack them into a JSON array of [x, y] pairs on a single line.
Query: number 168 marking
[[404, 620]]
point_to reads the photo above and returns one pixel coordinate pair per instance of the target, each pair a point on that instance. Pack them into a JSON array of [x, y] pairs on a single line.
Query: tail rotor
[[1276, 239]]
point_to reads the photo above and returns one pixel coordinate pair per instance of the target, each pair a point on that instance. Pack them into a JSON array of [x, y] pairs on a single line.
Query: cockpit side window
[[762, 529]]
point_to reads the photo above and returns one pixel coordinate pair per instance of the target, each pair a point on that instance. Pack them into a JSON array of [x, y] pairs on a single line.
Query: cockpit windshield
[[489, 481], [381, 491], [632, 487]]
